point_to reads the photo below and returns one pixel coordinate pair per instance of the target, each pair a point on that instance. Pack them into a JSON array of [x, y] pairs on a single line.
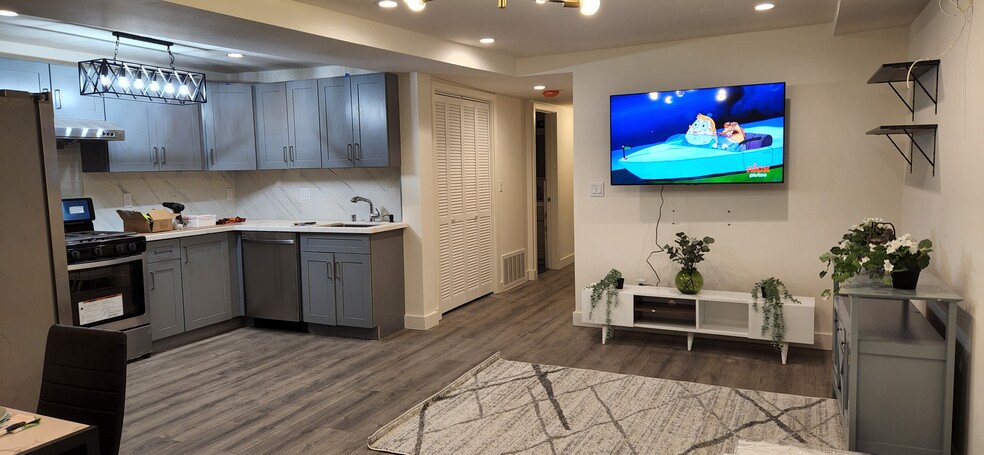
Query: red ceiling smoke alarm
[[550, 93]]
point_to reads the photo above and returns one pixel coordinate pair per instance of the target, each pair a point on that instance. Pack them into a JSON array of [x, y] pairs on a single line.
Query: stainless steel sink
[[353, 224], [333, 224]]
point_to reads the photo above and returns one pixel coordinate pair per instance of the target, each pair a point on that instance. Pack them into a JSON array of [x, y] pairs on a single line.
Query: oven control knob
[[74, 255], [119, 248], [97, 251], [132, 247]]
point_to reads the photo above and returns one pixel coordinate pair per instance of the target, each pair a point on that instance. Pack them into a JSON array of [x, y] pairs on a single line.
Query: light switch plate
[[230, 194], [597, 189], [305, 194], [127, 200]]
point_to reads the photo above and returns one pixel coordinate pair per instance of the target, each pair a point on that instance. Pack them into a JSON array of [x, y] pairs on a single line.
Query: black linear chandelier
[[587, 7], [112, 77]]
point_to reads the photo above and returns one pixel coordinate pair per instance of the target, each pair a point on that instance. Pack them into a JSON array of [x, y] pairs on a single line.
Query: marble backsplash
[[308, 194]]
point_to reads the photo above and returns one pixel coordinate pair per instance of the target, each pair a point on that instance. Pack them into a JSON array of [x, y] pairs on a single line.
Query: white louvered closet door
[[464, 200]]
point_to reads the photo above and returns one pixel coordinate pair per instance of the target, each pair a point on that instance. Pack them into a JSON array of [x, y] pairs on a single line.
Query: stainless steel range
[[105, 272]]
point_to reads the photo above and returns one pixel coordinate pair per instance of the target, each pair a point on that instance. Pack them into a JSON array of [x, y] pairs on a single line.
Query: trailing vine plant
[[606, 286], [773, 292]]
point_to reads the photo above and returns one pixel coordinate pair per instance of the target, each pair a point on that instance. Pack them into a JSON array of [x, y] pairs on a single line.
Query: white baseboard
[[421, 322], [820, 340], [566, 261]]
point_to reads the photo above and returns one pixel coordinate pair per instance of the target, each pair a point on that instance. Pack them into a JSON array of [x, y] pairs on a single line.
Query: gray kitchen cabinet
[[353, 280], [287, 125], [165, 299], [158, 137], [205, 280], [189, 283], [25, 76], [360, 120], [230, 139], [318, 288], [67, 101]]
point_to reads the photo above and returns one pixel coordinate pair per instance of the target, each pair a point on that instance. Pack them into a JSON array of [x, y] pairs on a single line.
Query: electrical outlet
[[127, 200], [500, 186], [305, 194], [230, 194]]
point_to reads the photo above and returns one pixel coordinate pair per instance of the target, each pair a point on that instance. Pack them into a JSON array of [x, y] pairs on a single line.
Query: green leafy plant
[[871, 248], [606, 286], [689, 252], [773, 293]]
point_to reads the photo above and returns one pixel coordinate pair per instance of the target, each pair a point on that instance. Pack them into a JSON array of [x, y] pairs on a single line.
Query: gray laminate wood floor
[[255, 391]]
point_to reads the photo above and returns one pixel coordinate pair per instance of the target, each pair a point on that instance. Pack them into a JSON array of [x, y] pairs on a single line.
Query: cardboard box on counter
[[160, 220]]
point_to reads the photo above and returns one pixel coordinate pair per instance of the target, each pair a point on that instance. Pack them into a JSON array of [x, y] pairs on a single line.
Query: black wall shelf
[[911, 131], [891, 73]]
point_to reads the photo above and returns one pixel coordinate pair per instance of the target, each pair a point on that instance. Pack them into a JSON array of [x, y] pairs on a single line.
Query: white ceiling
[[441, 40]]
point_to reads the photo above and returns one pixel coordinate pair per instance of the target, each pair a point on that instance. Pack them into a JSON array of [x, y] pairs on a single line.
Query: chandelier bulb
[[589, 7]]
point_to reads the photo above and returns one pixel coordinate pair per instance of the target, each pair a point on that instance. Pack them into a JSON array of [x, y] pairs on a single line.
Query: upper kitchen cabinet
[[158, 137], [68, 103], [230, 141], [360, 120], [25, 76], [287, 130]]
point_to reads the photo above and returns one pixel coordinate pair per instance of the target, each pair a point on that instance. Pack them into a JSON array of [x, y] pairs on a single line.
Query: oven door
[[108, 294]]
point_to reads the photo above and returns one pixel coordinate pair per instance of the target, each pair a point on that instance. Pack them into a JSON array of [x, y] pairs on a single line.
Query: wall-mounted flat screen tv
[[730, 134]]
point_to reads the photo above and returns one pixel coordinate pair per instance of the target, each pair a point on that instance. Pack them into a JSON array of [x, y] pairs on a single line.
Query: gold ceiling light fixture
[[587, 7]]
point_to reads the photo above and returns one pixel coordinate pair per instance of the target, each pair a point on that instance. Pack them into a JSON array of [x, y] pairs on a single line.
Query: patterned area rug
[[506, 407]]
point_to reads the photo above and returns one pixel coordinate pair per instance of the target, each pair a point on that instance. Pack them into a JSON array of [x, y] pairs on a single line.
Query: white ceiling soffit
[[855, 16]]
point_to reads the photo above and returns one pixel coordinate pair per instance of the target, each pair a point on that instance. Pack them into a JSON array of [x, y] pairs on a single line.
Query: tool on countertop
[[177, 208], [236, 219]]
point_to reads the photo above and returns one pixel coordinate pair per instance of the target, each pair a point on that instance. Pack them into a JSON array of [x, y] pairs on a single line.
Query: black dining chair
[[84, 380]]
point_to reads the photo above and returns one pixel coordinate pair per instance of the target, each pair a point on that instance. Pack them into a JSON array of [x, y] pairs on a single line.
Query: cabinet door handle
[[163, 155], [152, 281], [58, 100], [155, 155], [211, 152], [285, 153], [162, 251], [358, 152], [349, 149], [331, 272], [293, 157], [338, 271], [186, 254]]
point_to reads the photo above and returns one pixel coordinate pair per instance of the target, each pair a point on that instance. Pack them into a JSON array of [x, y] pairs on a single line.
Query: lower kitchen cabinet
[[189, 283], [353, 280]]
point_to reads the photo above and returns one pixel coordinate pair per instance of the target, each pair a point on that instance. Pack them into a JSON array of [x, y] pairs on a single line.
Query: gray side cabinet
[[360, 120], [68, 103], [158, 137], [189, 283], [353, 280], [24, 76], [287, 132], [230, 140]]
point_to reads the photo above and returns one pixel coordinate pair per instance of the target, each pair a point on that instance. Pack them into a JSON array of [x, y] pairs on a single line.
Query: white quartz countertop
[[319, 227]]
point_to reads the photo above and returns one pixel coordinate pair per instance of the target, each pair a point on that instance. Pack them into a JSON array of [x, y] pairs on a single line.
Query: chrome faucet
[[373, 213]]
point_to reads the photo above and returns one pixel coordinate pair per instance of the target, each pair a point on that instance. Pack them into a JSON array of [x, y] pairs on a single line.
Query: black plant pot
[[906, 279], [619, 283]]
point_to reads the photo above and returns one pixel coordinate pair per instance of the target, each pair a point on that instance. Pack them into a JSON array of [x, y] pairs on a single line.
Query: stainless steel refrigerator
[[33, 264]]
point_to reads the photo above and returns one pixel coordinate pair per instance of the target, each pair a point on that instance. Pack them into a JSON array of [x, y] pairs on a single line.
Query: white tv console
[[708, 312]]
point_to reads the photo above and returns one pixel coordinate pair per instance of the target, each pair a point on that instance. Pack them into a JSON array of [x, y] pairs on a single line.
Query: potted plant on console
[[609, 286], [689, 253], [773, 293]]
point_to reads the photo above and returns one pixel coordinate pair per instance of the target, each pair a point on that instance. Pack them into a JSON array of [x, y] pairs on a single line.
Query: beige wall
[[946, 208], [511, 207], [836, 175]]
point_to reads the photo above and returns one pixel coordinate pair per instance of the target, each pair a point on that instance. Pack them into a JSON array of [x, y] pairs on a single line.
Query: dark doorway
[[541, 187]]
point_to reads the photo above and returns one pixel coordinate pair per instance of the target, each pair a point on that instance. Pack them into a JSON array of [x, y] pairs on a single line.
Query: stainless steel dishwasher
[[271, 275]]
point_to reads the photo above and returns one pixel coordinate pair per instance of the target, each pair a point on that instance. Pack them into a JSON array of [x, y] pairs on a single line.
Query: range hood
[[87, 130]]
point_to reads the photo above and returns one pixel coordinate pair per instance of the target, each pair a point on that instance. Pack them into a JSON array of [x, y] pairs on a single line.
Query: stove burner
[[85, 246]]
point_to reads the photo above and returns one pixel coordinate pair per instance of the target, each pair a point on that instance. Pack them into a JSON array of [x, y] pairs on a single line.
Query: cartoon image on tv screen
[[711, 135]]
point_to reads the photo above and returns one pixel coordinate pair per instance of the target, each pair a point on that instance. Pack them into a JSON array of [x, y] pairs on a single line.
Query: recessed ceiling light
[[589, 7], [387, 3], [541, 1], [764, 6], [415, 5], [235, 55], [7, 13], [487, 40], [539, 87]]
